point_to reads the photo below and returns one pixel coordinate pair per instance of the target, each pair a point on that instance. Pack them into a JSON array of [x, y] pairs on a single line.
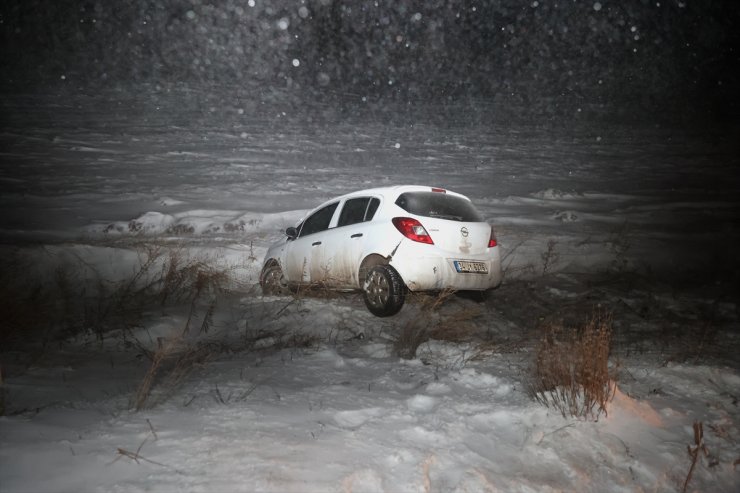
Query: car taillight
[[412, 229], [492, 241], [439, 190]]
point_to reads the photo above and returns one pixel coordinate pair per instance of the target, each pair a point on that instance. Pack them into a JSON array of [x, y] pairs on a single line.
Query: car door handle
[[315, 243], [356, 235]]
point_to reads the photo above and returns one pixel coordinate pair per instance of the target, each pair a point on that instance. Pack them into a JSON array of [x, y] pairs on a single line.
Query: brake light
[[412, 229], [440, 190], [492, 240]]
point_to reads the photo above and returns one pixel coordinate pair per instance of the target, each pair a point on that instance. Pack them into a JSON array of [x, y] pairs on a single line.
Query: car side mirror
[[292, 233]]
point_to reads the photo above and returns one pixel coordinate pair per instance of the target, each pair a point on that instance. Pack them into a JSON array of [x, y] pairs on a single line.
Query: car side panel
[[340, 256], [296, 260]]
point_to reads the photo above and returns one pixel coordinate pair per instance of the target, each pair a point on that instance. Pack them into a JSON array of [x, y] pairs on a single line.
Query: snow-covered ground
[[306, 393]]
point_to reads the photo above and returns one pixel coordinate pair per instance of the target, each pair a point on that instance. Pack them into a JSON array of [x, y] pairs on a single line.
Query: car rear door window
[[439, 205], [372, 207], [319, 220], [358, 210]]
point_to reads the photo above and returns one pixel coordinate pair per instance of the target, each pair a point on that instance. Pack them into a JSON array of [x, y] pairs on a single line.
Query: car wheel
[[272, 281], [384, 291]]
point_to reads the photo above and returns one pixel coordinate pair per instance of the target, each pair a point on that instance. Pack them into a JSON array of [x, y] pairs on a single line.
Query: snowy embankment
[[321, 420], [103, 199]]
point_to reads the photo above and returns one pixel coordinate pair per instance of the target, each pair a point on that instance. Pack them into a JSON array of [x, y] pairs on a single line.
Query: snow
[[306, 394]]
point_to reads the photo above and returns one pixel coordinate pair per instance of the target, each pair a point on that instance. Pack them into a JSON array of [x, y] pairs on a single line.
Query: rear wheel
[[384, 291], [272, 281]]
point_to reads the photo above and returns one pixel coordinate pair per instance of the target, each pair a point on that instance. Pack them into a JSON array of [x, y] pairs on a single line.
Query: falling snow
[[598, 138]]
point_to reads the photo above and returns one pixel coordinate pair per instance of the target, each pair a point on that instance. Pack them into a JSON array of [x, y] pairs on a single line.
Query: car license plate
[[472, 267]]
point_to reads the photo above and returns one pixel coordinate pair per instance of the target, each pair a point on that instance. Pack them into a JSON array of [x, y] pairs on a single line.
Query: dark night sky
[[667, 55]]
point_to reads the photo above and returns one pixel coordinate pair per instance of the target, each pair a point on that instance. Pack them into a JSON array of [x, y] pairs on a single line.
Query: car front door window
[[318, 221]]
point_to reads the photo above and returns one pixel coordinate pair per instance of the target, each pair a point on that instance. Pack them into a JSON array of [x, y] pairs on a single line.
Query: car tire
[[384, 291], [272, 281]]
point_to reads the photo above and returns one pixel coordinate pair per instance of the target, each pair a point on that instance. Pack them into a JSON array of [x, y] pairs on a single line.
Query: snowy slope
[[307, 394]]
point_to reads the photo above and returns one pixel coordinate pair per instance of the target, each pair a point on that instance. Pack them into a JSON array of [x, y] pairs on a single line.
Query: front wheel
[[272, 281], [384, 291]]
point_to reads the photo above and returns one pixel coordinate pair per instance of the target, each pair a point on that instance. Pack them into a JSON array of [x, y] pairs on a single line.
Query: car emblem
[[464, 232]]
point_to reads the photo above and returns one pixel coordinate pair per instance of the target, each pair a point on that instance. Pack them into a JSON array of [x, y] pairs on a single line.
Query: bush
[[571, 371]]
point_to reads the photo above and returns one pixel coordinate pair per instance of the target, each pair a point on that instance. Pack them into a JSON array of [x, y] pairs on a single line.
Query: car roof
[[390, 192], [394, 191]]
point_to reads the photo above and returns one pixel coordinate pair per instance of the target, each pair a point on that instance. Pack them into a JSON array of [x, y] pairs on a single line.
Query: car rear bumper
[[432, 272]]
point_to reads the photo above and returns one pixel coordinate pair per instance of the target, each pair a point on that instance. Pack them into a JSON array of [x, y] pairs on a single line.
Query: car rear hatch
[[459, 239], [453, 223]]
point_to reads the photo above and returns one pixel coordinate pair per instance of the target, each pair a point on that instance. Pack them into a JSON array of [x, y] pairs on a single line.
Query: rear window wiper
[[446, 216]]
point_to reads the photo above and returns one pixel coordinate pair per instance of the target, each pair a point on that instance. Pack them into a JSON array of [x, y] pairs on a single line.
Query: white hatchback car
[[384, 241]]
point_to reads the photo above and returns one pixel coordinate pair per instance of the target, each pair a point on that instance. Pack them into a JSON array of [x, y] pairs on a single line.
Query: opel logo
[[464, 232]]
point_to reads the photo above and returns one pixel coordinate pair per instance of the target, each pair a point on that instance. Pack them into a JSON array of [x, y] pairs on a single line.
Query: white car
[[384, 241]]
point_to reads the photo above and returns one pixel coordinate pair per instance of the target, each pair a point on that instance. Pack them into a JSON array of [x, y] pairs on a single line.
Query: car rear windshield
[[438, 205]]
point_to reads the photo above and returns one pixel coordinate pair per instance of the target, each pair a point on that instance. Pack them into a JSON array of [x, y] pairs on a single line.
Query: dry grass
[[457, 326], [173, 360], [297, 340], [571, 371], [411, 335], [136, 456], [316, 289], [181, 279], [160, 355], [73, 300], [699, 446], [28, 308], [620, 243], [186, 279], [696, 339], [487, 348], [434, 303], [550, 257], [415, 331]]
